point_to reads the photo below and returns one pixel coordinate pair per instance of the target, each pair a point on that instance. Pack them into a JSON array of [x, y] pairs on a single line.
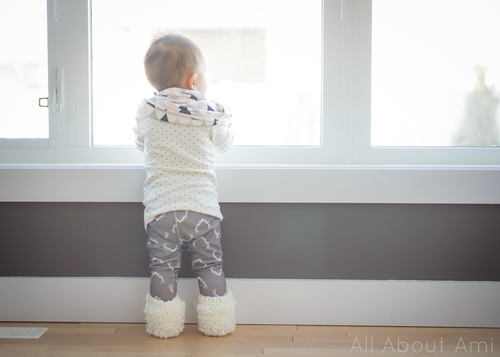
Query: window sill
[[263, 183]]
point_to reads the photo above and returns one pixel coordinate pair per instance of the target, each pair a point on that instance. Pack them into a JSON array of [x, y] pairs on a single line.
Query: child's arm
[[222, 135], [139, 141], [139, 137], [222, 139]]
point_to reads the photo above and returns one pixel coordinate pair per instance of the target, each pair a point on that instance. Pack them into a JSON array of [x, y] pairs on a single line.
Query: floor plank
[[82, 330], [17, 347], [131, 340]]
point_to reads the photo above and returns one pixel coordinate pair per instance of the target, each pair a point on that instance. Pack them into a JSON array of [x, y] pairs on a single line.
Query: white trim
[[266, 184], [36, 144], [262, 301]]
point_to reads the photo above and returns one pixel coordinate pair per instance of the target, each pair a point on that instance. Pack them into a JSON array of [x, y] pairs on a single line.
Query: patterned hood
[[184, 107]]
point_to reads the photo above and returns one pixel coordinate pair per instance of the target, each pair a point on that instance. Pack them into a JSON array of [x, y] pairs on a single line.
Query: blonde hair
[[169, 59]]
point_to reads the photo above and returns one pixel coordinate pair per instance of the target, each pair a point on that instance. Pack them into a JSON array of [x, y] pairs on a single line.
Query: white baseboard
[[262, 301]]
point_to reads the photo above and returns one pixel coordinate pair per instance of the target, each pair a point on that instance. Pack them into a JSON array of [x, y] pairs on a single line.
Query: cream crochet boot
[[164, 319], [216, 315]]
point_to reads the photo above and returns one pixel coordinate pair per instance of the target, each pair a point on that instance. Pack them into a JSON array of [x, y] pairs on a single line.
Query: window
[[434, 85], [266, 70], [325, 76], [23, 71], [419, 90]]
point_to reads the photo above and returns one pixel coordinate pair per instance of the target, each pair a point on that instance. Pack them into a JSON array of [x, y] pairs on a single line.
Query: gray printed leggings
[[200, 233]]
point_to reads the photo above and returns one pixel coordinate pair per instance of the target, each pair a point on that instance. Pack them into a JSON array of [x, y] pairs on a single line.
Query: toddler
[[179, 131]]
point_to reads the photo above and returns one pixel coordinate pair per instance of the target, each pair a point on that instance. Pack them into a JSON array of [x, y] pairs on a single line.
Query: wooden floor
[[89, 339]]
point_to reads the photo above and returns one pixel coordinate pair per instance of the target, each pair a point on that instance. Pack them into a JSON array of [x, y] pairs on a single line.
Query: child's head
[[175, 61]]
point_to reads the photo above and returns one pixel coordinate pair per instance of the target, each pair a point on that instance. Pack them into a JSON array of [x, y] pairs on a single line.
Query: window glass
[[263, 57], [23, 70], [435, 73]]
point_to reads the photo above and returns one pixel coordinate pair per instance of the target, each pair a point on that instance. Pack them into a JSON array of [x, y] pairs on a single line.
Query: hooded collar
[[182, 107]]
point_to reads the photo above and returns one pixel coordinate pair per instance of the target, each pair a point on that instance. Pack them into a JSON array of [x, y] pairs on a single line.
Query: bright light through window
[[23, 70], [263, 57], [435, 73]]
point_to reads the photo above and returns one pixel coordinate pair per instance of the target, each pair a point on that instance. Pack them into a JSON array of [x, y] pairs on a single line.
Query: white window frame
[[345, 169], [70, 129], [357, 26]]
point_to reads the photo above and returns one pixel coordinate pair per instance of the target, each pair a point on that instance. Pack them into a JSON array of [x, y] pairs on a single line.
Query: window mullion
[[360, 75], [69, 73], [332, 86], [346, 139], [52, 27]]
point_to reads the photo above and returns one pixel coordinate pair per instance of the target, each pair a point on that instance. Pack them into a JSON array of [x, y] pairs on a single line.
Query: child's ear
[[192, 81]]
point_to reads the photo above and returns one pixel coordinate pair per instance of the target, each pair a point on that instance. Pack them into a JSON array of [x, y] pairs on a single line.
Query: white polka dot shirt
[[179, 158]]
